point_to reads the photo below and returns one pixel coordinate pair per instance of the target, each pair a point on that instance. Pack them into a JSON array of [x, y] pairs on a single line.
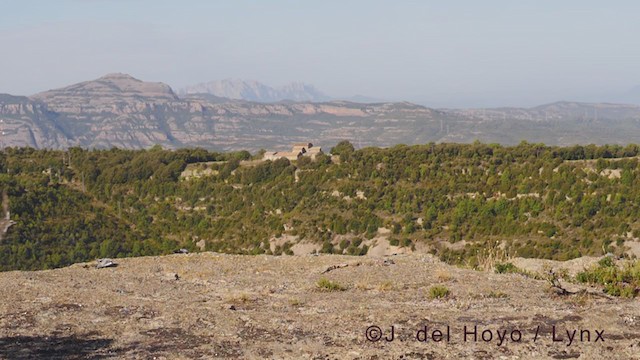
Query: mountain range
[[119, 110], [255, 91]]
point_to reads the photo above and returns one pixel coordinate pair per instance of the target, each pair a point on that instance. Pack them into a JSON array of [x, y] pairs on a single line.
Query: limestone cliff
[[119, 110]]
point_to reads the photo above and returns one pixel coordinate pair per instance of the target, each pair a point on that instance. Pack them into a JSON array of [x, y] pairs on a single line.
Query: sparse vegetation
[[295, 302], [497, 295], [261, 298], [623, 281], [443, 275], [241, 298], [385, 286], [361, 285], [503, 268], [438, 292], [509, 268], [325, 284]]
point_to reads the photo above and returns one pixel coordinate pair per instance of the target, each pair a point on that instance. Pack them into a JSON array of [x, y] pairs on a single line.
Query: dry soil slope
[[224, 306]]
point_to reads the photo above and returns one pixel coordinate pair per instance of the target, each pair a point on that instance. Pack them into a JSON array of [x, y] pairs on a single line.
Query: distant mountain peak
[[252, 90], [108, 89], [118, 76]]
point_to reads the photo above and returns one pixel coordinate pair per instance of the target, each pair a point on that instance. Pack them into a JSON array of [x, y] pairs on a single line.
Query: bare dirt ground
[[203, 306]]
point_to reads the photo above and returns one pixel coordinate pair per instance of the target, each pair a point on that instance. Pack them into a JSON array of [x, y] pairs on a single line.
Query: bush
[[606, 262], [325, 284], [438, 292], [503, 268], [617, 281], [406, 242], [343, 147], [327, 248]]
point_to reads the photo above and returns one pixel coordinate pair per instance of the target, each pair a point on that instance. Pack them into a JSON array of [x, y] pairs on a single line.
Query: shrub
[[327, 248], [617, 281], [606, 261], [503, 268], [325, 284], [438, 292]]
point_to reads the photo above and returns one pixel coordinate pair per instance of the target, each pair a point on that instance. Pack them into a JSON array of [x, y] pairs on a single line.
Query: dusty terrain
[[222, 306]]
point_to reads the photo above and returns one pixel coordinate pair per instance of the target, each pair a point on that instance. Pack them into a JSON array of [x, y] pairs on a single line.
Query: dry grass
[[242, 298], [363, 286], [385, 286], [443, 275], [295, 302], [492, 255]]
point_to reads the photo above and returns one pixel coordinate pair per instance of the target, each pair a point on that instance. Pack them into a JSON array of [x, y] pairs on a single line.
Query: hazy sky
[[439, 53]]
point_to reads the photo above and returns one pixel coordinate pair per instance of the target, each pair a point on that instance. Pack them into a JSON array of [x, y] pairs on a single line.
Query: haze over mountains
[[255, 91], [631, 96], [119, 110]]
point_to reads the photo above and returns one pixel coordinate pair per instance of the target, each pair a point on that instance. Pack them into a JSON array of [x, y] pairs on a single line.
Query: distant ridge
[[106, 90], [118, 110], [251, 90]]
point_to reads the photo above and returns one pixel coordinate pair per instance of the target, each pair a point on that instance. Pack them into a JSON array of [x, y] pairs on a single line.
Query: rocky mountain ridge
[[119, 110], [251, 90]]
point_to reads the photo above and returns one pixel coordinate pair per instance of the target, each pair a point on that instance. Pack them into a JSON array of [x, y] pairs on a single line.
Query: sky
[[438, 53]]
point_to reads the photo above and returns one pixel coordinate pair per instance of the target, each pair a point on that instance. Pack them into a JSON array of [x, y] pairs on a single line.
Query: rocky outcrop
[[24, 122]]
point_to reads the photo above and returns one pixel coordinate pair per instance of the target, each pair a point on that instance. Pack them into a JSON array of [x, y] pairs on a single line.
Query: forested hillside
[[529, 200]]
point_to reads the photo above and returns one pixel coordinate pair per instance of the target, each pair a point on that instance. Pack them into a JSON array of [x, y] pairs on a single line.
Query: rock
[[171, 277], [105, 263]]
